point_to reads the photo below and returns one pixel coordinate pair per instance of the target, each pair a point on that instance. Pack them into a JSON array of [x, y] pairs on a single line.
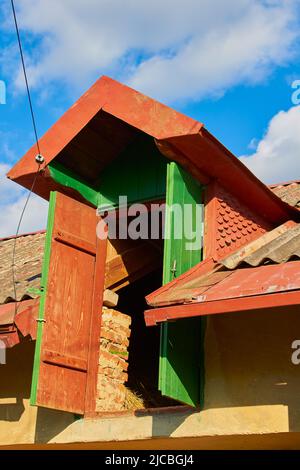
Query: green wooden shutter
[[181, 341]]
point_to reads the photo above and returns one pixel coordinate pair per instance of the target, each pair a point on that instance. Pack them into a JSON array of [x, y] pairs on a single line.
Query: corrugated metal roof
[[278, 246], [28, 266], [271, 271], [288, 192], [239, 283]]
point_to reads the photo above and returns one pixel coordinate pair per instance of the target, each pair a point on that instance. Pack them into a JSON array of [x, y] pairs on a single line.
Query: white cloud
[[277, 157], [185, 49], [12, 200]]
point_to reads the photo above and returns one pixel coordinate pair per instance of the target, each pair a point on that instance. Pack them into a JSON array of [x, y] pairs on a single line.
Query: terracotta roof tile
[[28, 266], [288, 192]]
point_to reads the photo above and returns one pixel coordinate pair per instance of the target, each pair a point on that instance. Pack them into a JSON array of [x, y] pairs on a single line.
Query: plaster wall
[[251, 389]]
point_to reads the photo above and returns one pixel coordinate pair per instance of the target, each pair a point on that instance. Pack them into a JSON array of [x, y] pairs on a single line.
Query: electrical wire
[[39, 158], [16, 238], [25, 76]]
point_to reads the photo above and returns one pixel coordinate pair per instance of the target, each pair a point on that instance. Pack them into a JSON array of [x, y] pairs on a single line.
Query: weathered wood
[[71, 306], [127, 262], [52, 357], [95, 328], [110, 298]]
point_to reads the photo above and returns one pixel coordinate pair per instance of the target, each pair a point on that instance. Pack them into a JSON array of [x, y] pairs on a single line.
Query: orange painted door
[[68, 335]]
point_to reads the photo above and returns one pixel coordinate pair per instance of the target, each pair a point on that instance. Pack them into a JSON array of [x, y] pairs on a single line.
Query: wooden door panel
[[62, 358]]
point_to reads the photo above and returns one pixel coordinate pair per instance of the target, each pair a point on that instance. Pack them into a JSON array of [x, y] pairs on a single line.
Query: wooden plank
[[95, 328], [217, 307], [130, 263], [70, 362], [74, 241], [68, 326], [180, 346], [44, 282]]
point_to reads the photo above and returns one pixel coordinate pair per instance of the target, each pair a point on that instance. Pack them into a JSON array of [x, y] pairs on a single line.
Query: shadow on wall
[[248, 361], [15, 380], [50, 423]]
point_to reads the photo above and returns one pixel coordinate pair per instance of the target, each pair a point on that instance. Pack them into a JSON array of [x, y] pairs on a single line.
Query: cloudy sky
[[229, 64]]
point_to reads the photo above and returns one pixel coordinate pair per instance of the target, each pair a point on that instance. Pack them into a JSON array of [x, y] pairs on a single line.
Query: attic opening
[[143, 359], [137, 367]]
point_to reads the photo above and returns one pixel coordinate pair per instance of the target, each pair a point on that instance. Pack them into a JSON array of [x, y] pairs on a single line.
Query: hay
[[133, 401]]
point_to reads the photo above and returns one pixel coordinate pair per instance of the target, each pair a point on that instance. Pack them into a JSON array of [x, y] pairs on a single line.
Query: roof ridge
[[12, 237]]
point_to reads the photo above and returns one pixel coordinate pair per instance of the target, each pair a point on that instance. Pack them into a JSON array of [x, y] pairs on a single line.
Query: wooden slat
[[130, 263], [74, 241], [71, 304], [52, 357], [95, 328], [180, 350]]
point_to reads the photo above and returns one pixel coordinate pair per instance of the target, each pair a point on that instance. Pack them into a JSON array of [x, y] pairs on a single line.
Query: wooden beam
[[256, 302]]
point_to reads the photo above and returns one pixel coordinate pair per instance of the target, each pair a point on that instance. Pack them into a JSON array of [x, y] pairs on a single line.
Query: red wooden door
[[68, 336]]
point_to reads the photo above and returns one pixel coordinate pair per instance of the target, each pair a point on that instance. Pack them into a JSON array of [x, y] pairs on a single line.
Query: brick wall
[[113, 360]]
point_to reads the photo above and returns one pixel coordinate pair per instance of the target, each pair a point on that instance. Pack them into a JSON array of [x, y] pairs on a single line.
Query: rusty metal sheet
[[239, 283], [9, 311], [9, 336], [256, 281]]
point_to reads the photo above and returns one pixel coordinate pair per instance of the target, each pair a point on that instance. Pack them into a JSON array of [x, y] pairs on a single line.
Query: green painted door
[[181, 355]]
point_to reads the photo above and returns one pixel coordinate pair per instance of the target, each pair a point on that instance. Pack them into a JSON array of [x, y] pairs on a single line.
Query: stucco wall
[[20, 422], [248, 366], [252, 388]]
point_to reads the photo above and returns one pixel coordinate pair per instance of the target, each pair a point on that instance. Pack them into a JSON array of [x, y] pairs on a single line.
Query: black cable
[[38, 162], [25, 76], [16, 238]]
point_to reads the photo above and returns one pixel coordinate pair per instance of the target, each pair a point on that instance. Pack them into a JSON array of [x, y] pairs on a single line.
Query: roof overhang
[[223, 291], [237, 305], [109, 115]]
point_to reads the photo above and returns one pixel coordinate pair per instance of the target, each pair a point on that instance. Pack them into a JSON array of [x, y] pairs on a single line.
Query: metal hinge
[[173, 269], [35, 290]]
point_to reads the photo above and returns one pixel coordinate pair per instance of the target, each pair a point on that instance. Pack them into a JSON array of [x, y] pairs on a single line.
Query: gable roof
[[110, 115]]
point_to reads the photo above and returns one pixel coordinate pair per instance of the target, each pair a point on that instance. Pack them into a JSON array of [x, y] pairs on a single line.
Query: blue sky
[[228, 64]]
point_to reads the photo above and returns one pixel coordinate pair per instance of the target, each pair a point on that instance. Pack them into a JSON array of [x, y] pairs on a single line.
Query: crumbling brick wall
[[113, 360]]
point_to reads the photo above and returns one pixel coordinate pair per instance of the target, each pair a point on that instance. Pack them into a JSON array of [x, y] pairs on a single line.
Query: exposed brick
[[116, 327], [114, 337], [117, 317], [117, 349], [114, 373], [113, 354]]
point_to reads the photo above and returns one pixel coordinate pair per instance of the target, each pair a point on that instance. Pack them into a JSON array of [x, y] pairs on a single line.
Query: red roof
[[109, 116], [263, 274]]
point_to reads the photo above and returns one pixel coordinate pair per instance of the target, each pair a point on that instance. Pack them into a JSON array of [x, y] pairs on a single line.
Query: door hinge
[[35, 290], [173, 269]]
